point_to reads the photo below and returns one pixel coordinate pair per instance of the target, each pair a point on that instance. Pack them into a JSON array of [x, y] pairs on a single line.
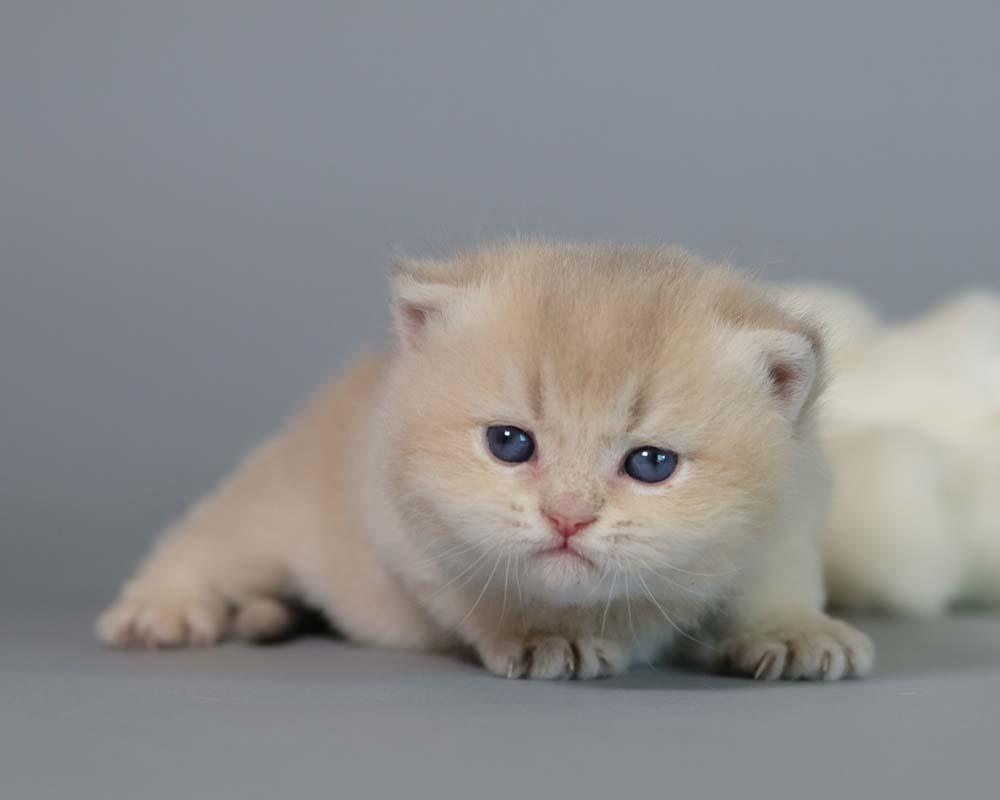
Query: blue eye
[[510, 444], [650, 464]]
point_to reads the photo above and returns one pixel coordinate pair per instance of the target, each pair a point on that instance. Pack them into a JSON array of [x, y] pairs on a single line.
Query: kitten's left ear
[[421, 297], [788, 365]]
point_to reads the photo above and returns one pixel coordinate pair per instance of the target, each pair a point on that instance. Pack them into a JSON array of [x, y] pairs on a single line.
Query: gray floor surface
[[322, 718]]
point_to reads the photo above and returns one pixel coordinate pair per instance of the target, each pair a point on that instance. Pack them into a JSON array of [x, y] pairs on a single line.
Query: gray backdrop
[[197, 200]]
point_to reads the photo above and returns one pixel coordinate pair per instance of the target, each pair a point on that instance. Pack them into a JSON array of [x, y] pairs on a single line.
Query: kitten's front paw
[[552, 658], [154, 619], [816, 648]]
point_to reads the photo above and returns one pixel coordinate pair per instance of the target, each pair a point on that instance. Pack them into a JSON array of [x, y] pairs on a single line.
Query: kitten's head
[[591, 413]]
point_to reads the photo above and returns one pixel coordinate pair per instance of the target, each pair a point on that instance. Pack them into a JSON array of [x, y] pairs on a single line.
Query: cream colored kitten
[[574, 455]]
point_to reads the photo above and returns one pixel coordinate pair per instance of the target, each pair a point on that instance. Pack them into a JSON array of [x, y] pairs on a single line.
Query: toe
[[154, 622], [505, 658], [769, 661], [598, 658], [552, 659]]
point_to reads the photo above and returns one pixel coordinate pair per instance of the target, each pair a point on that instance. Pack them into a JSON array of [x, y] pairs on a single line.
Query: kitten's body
[[381, 505], [912, 425]]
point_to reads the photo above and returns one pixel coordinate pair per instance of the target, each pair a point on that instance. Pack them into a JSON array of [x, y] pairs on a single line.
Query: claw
[[826, 664], [765, 666]]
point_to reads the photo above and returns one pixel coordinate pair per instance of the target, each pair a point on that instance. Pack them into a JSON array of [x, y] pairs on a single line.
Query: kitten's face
[[583, 401]]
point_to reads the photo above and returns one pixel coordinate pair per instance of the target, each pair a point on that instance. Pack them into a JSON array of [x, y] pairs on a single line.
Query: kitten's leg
[[222, 570], [778, 629]]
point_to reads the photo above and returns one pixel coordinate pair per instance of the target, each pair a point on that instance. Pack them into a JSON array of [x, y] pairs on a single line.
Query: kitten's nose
[[568, 516]]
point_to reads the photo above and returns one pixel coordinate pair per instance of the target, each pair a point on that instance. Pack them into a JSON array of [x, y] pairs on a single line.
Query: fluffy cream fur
[[382, 505], [912, 425]]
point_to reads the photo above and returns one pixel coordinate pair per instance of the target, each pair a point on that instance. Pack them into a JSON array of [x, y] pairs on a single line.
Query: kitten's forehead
[[613, 343], [622, 338]]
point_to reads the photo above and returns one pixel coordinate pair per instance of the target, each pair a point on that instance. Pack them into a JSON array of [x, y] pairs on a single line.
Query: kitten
[[912, 425], [574, 455]]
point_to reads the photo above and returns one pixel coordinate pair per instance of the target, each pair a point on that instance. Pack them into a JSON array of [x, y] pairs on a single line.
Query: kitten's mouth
[[566, 552]]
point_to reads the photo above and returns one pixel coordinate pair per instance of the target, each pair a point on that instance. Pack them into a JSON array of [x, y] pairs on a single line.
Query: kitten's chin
[[564, 578]]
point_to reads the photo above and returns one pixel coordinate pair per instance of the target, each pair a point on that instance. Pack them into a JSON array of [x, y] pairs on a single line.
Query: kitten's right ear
[[420, 299]]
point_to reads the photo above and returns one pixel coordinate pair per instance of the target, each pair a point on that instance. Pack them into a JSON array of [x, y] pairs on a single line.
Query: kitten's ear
[[420, 298], [787, 363]]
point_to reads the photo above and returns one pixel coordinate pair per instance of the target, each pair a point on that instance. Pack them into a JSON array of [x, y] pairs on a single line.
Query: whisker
[[506, 581], [607, 606], [709, 595], [473, 565], [469, 580], [732, 571], [666, 616], [482, 594], [595, 589], [520, 597], [451, 552], [631, 624]]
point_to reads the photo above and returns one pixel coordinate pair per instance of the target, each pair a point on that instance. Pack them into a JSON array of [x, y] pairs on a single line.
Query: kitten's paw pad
[[554, 658], [816, 649], [169, 621]]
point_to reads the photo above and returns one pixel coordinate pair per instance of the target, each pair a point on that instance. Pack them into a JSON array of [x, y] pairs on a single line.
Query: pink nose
[[567, 526]]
